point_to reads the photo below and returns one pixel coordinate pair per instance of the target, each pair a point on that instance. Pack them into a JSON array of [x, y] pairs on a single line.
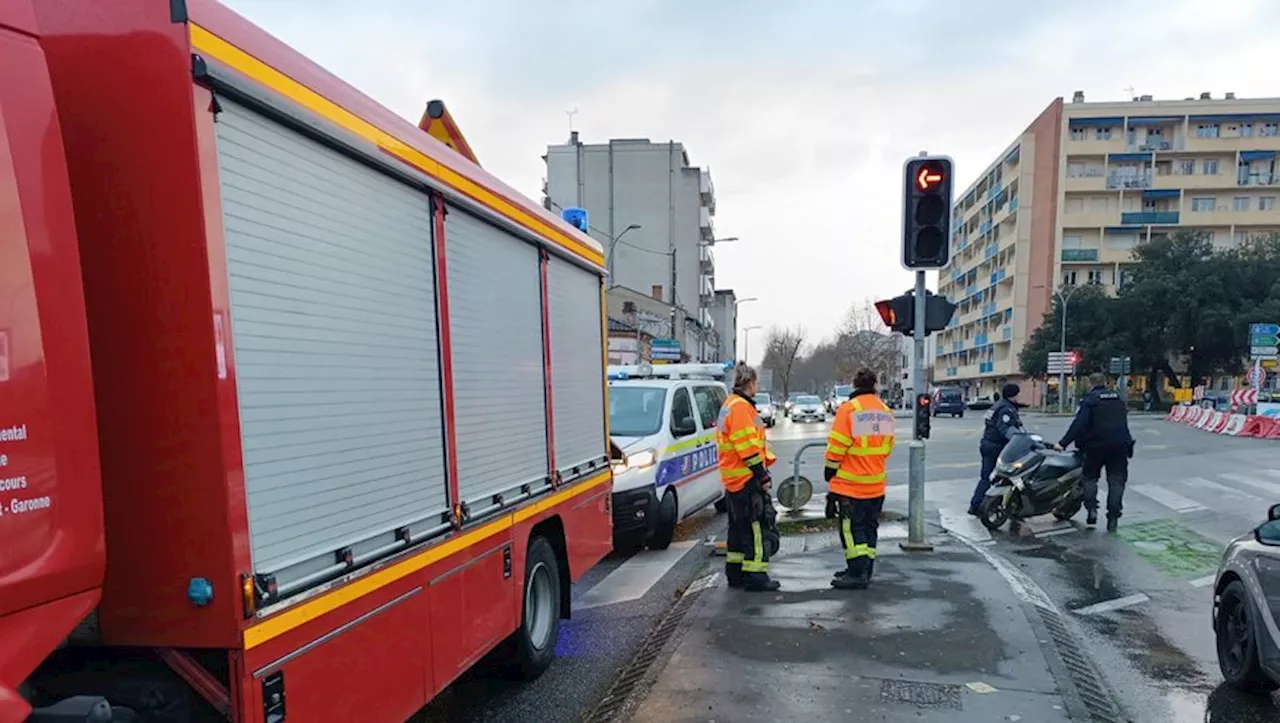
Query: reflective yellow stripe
[[734, 558], [744, 432], [846, 534], [860, 478], [838, 451], [688, 443], [736, 471], [877, 451], [853, 552], [752, 460], [840, 438], [757, 563], [746, 446]]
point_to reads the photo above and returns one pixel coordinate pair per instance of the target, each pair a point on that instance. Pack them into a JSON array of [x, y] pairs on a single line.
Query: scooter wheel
[[992, 513], [1068, 510]]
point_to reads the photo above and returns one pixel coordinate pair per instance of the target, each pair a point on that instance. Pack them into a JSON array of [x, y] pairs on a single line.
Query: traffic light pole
[[915, 462]]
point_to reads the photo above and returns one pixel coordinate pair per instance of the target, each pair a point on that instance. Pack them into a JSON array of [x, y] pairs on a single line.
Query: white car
[[768, 412], [808, 408], [664, 422]]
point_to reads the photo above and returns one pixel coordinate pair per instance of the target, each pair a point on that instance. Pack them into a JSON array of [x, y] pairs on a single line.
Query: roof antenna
[[571, 114], [1131, 91]]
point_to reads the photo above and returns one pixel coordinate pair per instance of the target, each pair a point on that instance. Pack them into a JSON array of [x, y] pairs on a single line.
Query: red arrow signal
[[927, 178]]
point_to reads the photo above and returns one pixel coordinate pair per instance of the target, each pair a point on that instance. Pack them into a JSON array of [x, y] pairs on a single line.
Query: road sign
[[1243, 397], [1271, 329], [1264, 341], [1121, 365], [1257, 375], [664, 350], [1062, 362], [1263, 352]]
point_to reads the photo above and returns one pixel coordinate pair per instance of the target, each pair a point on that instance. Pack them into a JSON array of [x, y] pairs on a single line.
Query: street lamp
[[1063, 296], [714, 241], [746, 342], [614, 242], [734, 321]]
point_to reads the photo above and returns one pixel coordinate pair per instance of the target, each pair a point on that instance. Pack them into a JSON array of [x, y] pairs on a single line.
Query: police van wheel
[[665, 527]]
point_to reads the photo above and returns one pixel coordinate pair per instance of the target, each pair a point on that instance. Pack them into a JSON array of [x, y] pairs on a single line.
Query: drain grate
[[921, 695], [619, 694]]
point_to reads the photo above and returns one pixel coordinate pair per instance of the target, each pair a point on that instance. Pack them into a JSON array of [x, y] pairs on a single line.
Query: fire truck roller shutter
[[333, 319], [577, 368], [495, 328]]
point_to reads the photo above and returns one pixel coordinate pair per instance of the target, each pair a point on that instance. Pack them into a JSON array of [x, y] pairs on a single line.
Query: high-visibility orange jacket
[[741, 443], [859, 446]]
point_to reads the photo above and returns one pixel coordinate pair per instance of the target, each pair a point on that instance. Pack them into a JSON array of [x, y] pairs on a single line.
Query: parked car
[[840, 393], [768, 412], [982, 403], [1246, 608], [948, 400], [808, 408], [790, 403]]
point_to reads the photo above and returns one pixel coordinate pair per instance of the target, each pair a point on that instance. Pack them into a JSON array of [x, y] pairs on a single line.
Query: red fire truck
[[301, 412]]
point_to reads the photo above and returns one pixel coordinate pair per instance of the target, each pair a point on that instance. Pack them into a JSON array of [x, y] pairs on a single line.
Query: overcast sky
[[803, 111]]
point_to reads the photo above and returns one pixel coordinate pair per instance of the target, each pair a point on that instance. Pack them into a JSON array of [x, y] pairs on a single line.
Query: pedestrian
[[858, 450], [1146, 400], [744, 470], [1001, 423], [1101, 430]]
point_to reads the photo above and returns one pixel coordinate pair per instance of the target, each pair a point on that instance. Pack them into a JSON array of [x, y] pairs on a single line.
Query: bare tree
[[864, 341], [782, 350]]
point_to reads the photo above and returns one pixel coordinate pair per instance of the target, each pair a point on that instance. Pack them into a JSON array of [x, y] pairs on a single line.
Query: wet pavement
[[938, 637]]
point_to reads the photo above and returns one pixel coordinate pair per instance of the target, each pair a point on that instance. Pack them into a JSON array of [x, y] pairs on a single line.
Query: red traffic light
[[924, 400], [887, 314], [928, 177]]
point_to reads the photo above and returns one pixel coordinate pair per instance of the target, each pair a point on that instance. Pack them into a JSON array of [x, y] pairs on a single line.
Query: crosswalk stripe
[[1221, 488], [1168, 498], [1270, 488], [633, 578]]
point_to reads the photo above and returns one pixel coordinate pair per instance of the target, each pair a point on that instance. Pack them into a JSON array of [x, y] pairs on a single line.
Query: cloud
[[804, 114]]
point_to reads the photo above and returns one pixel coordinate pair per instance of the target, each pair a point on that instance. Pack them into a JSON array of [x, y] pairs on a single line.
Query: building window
[[1210, 168], [1270, 129], [1246, 130], [1077, 134], [1070, 242], [1125, 277], [1095, 276], [1102, 134], [1120, 241], [1187, 168], [1241, 203], [1069, 278], [1266, 203], [1207, 130], [1202, 205]]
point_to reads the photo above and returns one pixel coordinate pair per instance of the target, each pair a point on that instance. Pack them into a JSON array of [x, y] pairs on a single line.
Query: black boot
[[871, 569], [759, 582], [733, 573], [855, 578], [1093, 518], [1112, 524]]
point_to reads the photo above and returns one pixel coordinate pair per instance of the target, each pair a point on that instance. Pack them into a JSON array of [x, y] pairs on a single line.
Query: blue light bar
[[618, 376]]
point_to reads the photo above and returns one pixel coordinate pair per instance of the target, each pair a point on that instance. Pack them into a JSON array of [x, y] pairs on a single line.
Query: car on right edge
[[1246, 608]]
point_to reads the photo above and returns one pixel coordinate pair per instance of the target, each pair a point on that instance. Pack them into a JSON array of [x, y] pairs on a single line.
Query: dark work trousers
[[1115, 459], [859, 533], [989, 456], [745, 542]]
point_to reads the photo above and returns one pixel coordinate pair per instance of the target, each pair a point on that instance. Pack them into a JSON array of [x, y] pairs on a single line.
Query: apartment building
[[653, 212], [1068, 201]]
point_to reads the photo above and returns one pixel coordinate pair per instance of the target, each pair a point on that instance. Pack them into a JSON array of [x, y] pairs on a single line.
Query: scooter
[[1032, 478]]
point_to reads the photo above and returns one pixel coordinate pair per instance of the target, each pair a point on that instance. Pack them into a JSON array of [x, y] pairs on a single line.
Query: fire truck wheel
[[535, 641]]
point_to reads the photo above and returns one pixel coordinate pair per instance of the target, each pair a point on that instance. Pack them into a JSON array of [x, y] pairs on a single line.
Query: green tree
[[1093, 329]]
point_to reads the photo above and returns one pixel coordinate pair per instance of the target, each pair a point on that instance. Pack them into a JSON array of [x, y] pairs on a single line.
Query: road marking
[[1155, 446], [1172, 500], [961, 524], [1270, 488], [1205, 581], [1057, 531], [633, 578], [1109, 605], [1221, 488]]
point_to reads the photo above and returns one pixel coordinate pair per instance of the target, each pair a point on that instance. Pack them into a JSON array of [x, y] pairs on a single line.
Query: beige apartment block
[[1068, 201]]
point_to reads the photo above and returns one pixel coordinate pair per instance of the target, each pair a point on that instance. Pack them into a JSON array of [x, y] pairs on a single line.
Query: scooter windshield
[[1018, 448]]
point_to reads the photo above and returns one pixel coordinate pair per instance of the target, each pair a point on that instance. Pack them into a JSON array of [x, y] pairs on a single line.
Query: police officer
[[744, 472], [1101, 431], [858, 449], [1002, 422]]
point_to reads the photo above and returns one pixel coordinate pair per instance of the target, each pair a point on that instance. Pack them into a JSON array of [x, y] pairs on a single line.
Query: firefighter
[[744, 471], [1000, 425], [1101, 431], [858, 450]]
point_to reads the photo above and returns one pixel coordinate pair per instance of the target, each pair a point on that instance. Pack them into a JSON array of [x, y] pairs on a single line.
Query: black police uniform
[[1001, 423], [1101, 431]]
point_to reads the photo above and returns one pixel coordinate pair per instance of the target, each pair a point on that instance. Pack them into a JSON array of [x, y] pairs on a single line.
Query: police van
[[663, 419]]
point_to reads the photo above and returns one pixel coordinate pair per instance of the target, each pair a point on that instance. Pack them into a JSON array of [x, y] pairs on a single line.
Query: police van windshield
[[844, 390], [636, 411]]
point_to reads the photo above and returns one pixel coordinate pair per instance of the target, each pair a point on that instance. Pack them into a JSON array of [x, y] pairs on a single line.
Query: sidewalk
[[928, 641]]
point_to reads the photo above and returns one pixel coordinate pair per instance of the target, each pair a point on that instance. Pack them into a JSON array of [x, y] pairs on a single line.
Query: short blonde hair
[[743, 375]]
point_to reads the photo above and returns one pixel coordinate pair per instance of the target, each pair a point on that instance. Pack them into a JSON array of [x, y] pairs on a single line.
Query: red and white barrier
[[1227, 424], [1235, 425]]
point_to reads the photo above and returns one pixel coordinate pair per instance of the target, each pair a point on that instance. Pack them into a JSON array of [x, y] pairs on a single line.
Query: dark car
[[948, 400], [979, 404], [1246, 608]]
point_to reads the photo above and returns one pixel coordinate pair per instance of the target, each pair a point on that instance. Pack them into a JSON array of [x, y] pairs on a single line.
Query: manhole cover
[[923, 695], [794, 492]]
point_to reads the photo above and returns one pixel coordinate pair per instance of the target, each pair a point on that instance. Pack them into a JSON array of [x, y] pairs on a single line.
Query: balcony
[[1148, 218], [1150, 145], [1259, 179], [1079, 256], [1127, 180], [1007, 334], [1090, 179], [705, 224], [980, 340], [707, 189], [986, 367]]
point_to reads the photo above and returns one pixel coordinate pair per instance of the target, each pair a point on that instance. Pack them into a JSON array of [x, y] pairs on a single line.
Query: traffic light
[[924, 413], [899, 313], [926, 222]]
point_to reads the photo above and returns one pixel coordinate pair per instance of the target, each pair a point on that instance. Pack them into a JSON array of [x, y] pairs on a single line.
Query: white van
[[663, 418]]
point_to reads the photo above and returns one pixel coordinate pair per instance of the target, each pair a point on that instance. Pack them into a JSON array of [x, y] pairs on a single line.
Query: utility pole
[[1063, 298]]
